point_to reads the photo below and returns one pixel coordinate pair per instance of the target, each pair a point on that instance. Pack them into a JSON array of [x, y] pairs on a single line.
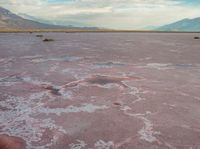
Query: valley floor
[[100, 91]]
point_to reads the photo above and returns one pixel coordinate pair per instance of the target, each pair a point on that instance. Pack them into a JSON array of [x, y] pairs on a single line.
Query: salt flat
[[100, 91]]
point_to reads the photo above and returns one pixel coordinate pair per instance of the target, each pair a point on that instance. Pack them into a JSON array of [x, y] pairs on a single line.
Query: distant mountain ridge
[[11, 20], [63, 22], [187, 25]]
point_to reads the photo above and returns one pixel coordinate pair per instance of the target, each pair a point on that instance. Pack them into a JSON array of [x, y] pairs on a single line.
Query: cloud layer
[[123, 14]]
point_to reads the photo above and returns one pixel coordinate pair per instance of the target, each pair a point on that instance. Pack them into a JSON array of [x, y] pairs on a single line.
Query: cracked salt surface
[[72, 116], [136, 92], [26, 108], [146, 133], [20, 120]]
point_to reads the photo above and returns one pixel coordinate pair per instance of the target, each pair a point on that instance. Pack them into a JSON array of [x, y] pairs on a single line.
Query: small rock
[[196, 37], [39, 35], [117, 103], [47, 40]]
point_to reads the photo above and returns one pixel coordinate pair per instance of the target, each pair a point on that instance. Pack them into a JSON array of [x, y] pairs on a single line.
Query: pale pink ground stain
[[10, 142]]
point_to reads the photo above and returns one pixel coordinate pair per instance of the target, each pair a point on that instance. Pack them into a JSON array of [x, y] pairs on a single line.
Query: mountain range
[[24, 21], [185, 25], [9, 20], [63, 22]]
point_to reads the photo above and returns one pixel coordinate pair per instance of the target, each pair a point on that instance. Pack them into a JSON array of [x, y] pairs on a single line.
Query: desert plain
[[99, 91]]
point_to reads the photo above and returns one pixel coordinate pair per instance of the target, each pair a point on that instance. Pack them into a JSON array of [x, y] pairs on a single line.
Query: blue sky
[[118, 14], [190, 2]]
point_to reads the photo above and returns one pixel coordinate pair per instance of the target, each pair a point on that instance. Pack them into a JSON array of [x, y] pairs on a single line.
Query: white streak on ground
[[35, 82], [103, 145], [21, 117], [136, 92], [146, 133], [7, 83], [158, 66], [31, 57], [79, 145], [57, 59], [90, 108], [100, 144]]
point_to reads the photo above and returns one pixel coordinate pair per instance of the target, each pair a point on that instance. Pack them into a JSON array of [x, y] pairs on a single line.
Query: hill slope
[[182, 25], [11, 20], [62, 22]]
